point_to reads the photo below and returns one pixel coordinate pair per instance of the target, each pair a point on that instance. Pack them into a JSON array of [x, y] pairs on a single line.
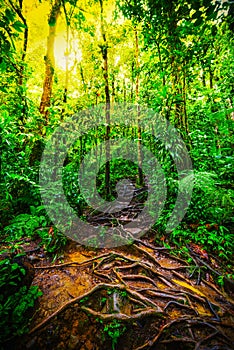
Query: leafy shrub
[[36, 223], [210, 201], [16, 300], [220, 240]]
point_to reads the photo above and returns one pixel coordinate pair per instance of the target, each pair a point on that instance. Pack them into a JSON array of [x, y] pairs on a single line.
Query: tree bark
[[211, 77], [21, 91], [49, 60], [185, 116], [124, 91], [104, 50], [113, 90], [68, 17], [139, 133], [161, 62], [82, 77]]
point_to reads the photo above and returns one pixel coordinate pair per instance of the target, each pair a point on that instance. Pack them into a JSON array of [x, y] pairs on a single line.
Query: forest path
[[132, 297]]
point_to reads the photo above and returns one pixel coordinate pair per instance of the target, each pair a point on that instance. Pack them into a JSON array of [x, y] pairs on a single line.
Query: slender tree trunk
[[132, 82], [124, 91], [82, 77], [66, 68], [175, 68], [49, 60], [139, 134], [161, 63], [104, 50], [68, 17], [211, 77], [177, 94], [18, 8], [203, 78], [185, 116], [113, 91]]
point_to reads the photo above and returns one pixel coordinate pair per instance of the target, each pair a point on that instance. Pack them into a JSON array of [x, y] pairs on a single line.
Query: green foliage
[[114, 330], [210, 201], [10, 28], [16, 300], [18, 176], [220, 240], [53, 242], [24, 225], [186, 71], [32, 225]]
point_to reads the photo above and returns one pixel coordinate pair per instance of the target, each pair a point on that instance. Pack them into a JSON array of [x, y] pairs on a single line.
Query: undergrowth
[[17, 300]]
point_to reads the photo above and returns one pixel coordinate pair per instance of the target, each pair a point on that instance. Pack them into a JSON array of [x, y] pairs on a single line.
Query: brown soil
[[132, 297]]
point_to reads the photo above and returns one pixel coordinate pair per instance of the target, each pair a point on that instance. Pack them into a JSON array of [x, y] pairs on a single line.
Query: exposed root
[[194, 322], [198, 344], [147, 254], [119, 316], [113, 256], [72, 302], [150, 269], [172, 302], [71, 264], [139, 277], [169, 295], [143, 300]]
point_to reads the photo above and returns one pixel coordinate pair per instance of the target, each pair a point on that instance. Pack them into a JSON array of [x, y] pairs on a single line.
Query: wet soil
[[133, 297]]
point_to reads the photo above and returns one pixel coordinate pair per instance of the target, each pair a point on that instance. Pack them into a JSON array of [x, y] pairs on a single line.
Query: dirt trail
[[134, 297]]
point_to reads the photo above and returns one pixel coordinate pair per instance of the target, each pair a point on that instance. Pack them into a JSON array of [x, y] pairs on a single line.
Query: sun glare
[[74, 54]]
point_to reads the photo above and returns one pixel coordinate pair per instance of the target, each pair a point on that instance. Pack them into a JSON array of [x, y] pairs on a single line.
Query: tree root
[[120, 316], [164, 295], [154, 308], [159, 275], [139, 277], [198, 344], [71, 263], [172, 302], [111, 256], [117, 269], [147, 254], [73, 301], [194, 322]]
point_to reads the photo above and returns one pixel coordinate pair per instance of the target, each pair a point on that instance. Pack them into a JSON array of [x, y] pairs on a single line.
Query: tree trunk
[[104, 50], [66, 68], [132, 81], [203, 78], [139, 134], [124, 91], [19, 11], [68, 17], [175, 61], [161, 63], [185, 116], [211, 77], [113, 91], [49, 60], [82, 77], [176, 92]]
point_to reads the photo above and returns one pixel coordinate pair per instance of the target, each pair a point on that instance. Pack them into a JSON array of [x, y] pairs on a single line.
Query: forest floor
[[139, 296]]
